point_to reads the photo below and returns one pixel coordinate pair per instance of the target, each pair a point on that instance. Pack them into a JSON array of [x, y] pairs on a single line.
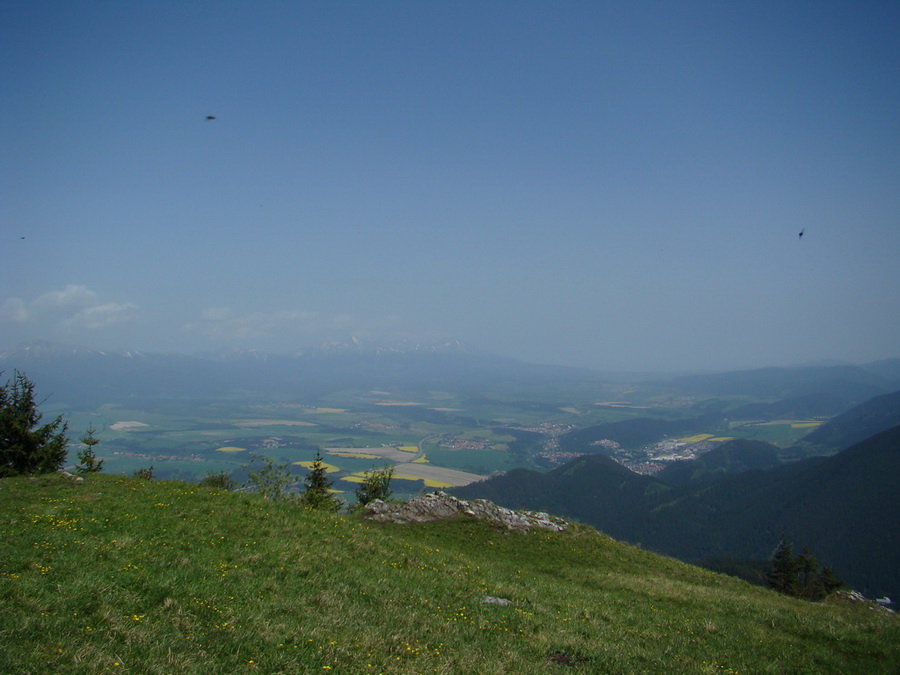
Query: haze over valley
[[633, 264]]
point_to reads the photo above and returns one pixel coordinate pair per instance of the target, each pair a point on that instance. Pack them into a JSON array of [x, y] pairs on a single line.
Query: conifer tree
[[783, 576], [87, 458], [826, 583], [800, 576], [807, 567], [317, 494], [26, 446]]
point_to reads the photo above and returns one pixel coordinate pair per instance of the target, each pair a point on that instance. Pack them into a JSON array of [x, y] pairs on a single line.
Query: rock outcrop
[[441, 506]]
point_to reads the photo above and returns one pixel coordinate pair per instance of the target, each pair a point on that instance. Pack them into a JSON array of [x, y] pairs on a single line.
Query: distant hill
[[594, 489], [887, 370], [799, 407], [635, 433], [856, 424], [730, 457], [848, 384], [843, 507]]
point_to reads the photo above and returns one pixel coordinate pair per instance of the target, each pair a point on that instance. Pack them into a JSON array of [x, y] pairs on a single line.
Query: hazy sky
[[618, 185]]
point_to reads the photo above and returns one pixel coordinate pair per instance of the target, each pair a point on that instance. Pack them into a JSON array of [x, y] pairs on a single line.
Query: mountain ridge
[[837, 505]]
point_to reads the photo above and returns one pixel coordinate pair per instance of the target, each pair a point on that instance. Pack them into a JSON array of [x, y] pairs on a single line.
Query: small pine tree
[[807, 567], [826, 583], [87, 458], [783, 576], [376, 484], [25, 446], [317, 494], [799, 576]]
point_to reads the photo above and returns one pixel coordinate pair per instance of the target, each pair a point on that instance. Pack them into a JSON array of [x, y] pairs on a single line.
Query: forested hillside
[[731, 457], [843, 507], [857, 424]]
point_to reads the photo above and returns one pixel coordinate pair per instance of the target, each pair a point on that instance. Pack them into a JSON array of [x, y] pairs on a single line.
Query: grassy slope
[[121, 575]]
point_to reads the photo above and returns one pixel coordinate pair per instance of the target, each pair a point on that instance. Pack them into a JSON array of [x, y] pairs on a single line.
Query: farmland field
[[432, 439]]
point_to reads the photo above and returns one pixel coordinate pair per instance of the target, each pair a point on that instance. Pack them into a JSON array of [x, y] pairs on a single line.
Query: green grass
[[119, 575]]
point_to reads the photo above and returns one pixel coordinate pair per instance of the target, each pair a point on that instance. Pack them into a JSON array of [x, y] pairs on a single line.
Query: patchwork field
[[388, 453], [435, 476], [433, 439]]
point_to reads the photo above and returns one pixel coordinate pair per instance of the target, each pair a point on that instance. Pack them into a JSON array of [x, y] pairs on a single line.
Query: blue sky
[[617, 185]]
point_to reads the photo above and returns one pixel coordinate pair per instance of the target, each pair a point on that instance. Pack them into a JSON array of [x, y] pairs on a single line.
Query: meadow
[[122, 575]]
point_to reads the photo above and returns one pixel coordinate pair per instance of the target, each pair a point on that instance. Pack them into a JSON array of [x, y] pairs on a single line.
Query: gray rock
[[489, 600], [441, 506]]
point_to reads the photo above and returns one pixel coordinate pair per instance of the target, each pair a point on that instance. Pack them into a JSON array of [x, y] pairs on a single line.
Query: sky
[[612, 184]]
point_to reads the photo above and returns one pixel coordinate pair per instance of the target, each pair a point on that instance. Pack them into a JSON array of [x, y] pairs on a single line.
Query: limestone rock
[[441, 506]]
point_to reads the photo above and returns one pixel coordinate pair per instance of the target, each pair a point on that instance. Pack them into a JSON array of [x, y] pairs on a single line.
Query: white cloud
[[100, 316], [75, 308], [72, 296], [14, 309]]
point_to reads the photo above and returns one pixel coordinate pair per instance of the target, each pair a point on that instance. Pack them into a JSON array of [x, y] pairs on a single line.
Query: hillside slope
[[735, 456], [857, 424], [843, 507], [593, 489], [119, 575]]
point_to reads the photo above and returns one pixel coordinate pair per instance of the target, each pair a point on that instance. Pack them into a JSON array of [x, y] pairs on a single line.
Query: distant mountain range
[[72, 373], [801, 386], [80, 376]]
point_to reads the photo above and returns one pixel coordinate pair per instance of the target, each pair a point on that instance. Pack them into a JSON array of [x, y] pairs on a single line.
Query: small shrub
[[376, 485], [146, 474], [221, 480], [273, 481]]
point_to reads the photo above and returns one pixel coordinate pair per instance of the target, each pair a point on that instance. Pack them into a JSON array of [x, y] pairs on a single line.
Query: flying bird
[[800, 236], [210, 118]]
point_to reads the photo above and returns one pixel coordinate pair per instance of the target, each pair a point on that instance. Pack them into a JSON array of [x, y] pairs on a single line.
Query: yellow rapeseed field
[[329, 468], [429, 482], [696, 438], [357, 455]]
